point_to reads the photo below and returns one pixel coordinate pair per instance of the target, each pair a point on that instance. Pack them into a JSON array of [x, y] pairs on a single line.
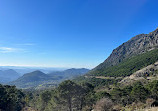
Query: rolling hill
[[31, 79]]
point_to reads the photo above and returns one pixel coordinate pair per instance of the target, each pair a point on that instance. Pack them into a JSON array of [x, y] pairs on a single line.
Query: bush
[[104, 104]]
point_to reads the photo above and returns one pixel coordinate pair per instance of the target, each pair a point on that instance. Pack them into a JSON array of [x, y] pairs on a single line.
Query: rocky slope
[[137, 45]]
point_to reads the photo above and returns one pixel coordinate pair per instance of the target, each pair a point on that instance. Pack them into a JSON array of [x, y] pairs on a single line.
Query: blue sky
[[70, 33]]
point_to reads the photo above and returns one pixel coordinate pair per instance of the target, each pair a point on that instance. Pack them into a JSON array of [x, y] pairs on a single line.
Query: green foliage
[[68, 96], [139, 93], [101, 94], [71, 96], [11, 99], [153, 88], [116, 94], [97, 82], [135, 93], [129, 66]]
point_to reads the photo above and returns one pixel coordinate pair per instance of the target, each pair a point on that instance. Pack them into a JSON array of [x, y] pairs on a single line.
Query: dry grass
[[148, 109]]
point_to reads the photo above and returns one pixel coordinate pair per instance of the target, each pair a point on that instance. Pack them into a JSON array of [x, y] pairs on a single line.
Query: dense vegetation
[[129, 66], [11, 99], [96, 82], [83, 97], [67, 96]]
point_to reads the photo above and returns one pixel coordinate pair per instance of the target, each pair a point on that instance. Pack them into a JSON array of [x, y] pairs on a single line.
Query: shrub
[[104, 104]]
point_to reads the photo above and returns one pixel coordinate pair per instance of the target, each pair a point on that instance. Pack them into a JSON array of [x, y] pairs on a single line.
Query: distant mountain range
[[21, 70], [38, 78], [8, 75], [69, 73]]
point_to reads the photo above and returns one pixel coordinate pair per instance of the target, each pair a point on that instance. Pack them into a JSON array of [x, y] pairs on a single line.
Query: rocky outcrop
[[137, 45]]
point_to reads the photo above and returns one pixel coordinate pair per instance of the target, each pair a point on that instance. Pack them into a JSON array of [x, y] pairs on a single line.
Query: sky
[[70, 33]]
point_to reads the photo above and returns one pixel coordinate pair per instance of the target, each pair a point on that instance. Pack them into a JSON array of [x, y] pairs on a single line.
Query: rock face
[[137, 45]]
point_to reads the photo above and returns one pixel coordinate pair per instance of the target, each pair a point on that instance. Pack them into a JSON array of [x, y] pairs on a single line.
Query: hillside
[[145, 74], [8, 75], [129, 66], [138, 45], [31, 79]]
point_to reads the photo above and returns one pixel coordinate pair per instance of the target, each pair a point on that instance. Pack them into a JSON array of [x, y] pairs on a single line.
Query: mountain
[[34, 76], [31, 79], [138, 45], [8, 75], [21, 70], [38, 78], [69, 73]]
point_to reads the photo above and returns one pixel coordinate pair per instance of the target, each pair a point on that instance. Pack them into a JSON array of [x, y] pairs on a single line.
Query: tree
[[153, 88], [11, 99], [101, 94], [45, 98], [67, 91]]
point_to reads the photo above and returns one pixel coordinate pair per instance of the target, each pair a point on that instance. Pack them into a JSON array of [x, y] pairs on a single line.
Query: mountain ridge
[[137, 45], [70, 72]]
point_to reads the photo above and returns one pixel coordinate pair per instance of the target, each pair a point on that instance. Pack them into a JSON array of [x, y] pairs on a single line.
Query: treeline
[[97, 82], [70, 96], [11, 99], [128, 66]]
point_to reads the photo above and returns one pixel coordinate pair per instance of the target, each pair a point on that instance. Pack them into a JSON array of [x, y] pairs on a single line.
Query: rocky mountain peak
[[139, 44]]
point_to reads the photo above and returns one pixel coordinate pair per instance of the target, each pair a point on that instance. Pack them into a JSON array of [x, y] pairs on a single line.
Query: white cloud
[[8, 49]]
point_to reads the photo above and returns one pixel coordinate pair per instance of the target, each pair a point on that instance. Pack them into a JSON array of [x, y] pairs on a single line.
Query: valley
[[78, 55]]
